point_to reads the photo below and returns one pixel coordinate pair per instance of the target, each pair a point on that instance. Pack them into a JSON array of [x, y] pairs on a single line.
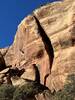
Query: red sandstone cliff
[[58, 21]]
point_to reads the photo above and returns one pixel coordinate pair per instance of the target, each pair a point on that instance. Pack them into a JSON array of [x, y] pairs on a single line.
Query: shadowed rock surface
[[2, 62], [47, 43]]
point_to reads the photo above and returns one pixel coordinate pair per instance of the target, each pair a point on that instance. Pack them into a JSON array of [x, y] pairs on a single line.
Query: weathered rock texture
[[58, 21]]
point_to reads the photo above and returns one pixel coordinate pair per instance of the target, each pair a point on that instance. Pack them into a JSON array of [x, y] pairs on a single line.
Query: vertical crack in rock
[[47, 44], [2, 62], [73, 36], [37, 74]]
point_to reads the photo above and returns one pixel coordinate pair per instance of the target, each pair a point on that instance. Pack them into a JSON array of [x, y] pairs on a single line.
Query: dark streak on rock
[[2, 62], [47, 43], [37, 76]]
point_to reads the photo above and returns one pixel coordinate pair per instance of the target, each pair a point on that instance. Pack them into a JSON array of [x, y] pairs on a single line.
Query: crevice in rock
[[6, 52], [37, 74], [21, 51], [2, 62], [45, 79], [47, 42], [73, 36]]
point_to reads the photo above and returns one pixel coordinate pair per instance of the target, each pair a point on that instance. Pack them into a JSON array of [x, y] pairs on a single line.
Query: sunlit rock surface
[[58, 21]]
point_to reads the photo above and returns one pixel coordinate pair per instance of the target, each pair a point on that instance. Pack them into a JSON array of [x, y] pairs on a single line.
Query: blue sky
[[11, 14]]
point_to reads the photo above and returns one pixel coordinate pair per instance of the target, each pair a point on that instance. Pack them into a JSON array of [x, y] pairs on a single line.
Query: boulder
[[16, 81], [4, 71]]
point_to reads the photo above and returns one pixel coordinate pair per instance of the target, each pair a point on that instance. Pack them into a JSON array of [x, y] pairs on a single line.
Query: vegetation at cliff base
[[68, 92], [28, 91], [6, 92]]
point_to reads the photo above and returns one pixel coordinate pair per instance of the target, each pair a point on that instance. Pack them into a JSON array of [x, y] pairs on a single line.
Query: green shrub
[[6, 92], [27, 91], [68, 92]]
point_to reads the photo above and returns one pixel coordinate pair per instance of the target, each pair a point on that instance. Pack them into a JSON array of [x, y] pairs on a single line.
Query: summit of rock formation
[[55, 59]]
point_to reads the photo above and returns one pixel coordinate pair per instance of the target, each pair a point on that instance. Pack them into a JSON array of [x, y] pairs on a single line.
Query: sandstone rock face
[[43, 96], [29, 74], [58, 21]]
